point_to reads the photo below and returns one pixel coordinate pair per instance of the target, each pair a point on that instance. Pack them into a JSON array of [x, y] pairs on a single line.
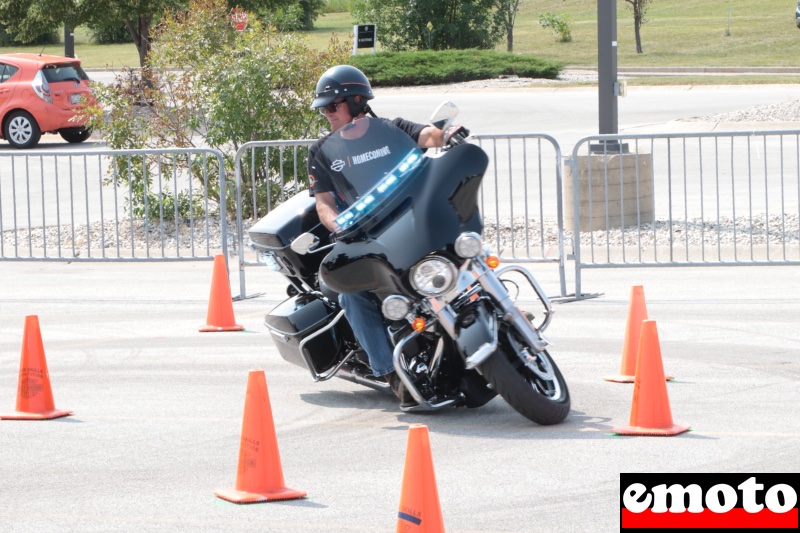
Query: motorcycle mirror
[[444, 115], [304, 243]]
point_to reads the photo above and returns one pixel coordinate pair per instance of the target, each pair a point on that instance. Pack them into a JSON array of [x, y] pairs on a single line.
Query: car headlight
[[433, 276], [469, 245], [396, 307]]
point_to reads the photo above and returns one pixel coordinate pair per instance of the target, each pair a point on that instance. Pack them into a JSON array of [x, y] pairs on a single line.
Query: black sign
[[365, 36]]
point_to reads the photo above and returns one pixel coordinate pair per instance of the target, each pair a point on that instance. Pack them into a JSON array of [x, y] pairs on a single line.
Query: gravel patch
[[124, 236], [508, 82], [743, 231], [118, 239], [788, 111]]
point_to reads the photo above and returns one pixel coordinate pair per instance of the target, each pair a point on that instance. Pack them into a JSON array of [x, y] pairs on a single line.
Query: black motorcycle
[[412, 238]]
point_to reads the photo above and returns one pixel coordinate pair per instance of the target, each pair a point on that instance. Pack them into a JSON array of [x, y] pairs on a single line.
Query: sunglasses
[[331, 108]]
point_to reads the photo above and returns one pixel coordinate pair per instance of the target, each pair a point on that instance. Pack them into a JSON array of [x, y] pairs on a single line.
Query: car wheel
[[21, 130], [75, 135]]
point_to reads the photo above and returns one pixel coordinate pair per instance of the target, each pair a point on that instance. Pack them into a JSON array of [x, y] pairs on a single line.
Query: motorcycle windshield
[[368, 161]]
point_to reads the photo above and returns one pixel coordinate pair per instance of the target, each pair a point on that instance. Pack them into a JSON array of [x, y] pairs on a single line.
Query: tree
[[507, 14], [426, 25], [219, 88], [28, 18], [639, 9]]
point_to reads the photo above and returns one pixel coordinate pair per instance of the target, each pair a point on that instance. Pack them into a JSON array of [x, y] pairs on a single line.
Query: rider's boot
[[400, 390]]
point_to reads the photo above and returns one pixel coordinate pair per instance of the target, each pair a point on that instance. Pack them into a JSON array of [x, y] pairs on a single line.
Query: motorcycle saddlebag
[[276, 231], [297, 318]]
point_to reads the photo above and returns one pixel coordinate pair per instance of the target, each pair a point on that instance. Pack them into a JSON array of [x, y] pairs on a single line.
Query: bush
[[6, 39], [439, 25], [209, 85], [448, 66], [287, 18], [311, 10], [559, 24], [109, 33]]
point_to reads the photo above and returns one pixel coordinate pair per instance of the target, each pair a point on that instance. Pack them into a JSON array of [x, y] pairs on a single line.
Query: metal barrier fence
[[112, 205], [700, 199], [520, 196], [267, 173], [728, 198], [521, 199]]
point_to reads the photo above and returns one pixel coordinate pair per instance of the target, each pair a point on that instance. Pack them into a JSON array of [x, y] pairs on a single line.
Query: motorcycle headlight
[[396, 307], [433, 276], [469, 245]]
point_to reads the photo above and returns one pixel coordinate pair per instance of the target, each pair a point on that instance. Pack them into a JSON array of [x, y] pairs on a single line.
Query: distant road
[[570, 113]]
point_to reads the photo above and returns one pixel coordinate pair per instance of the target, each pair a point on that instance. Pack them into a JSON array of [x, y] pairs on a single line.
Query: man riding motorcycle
[[342, 94]]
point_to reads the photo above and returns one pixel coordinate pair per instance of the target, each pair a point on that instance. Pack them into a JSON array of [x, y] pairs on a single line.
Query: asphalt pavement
[[158, 407]]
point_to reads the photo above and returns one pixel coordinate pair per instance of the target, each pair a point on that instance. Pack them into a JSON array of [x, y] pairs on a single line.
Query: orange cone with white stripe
[[34, 395], [419, 499]]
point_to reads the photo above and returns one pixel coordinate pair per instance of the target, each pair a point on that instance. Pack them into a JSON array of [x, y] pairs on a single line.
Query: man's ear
[[357, 99]]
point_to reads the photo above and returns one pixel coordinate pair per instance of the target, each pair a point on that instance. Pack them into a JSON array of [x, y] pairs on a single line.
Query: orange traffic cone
[[650, 412], [259, 477], [220, 305], [34, 395], [637, 312], [419, 499]]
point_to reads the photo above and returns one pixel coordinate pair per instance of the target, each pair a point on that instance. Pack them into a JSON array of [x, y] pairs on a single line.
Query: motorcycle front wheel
[[531, 384]]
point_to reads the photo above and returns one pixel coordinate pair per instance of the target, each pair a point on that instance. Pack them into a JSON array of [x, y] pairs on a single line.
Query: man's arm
[[430, 137], [326, 209]]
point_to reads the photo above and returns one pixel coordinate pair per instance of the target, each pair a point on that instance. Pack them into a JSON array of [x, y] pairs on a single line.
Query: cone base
[[237, 496], [44, 415], [209, 328], [656, 432], [622, 378]]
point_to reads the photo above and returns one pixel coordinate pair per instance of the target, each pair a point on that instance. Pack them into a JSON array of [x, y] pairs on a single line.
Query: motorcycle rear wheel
[[543, 401]]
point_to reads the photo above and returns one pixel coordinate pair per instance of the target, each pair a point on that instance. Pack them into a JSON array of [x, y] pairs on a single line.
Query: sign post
[[364, 37]]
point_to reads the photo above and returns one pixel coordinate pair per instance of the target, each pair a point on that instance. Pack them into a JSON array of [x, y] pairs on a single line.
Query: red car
[[41, 94]]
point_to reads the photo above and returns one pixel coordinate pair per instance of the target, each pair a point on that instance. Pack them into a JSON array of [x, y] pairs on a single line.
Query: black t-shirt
[[323, 176]]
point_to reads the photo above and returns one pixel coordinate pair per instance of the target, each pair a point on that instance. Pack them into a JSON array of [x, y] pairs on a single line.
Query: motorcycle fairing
[[424, 217]]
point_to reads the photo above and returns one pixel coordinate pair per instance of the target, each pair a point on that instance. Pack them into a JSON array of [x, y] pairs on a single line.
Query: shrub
[[209, 85], [441, 25], [7, 39], [448, 66], [109, 32], [559, 24]]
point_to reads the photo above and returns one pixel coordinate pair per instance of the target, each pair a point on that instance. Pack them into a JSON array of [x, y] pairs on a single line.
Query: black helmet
[[341, 81]]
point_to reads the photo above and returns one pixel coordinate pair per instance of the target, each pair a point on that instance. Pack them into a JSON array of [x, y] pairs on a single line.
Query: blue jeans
[[365, 317]]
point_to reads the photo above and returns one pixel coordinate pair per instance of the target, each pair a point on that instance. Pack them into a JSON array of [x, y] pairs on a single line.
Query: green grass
[[678, 33], [114, 56]]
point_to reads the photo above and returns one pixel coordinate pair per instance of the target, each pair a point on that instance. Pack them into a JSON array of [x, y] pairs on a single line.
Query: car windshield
[[64, 72], [369, 159]]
